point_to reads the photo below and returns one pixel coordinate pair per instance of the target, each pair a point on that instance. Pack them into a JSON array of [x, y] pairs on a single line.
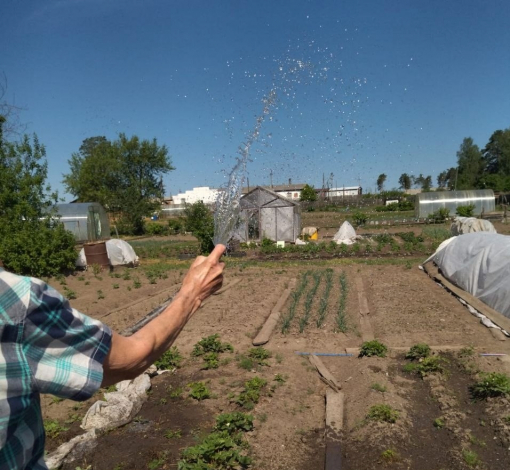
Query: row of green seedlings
[[423, 362], [297, 294]]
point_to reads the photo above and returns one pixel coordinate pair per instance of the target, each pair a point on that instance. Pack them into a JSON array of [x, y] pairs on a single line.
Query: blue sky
[[363, 87]]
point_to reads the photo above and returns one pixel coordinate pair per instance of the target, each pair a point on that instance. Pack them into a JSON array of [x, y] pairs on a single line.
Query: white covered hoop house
[[88, 221], [266, 214], [428, 203]]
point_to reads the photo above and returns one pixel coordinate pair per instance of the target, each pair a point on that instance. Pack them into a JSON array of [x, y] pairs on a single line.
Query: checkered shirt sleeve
[[46, 347]]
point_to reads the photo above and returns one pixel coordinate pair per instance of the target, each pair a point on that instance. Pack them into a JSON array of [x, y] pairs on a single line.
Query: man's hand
[[203, 279]]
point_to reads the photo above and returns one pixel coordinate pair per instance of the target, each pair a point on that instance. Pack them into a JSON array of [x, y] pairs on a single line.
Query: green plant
[[173, 434], [303, 322], [426, 366], [211, 344], [471, 458], [439, 423], [492, 384], [136, 283], [81, 278], [373, 348], [199, 220], [325, 298], [382, 413], [295, 296], [245, 363], [341, 321], [175, 392], [210, 361], [157, 462], [115, 286], [199, 391], [170, 359], [418, 351], [378, 387], [439, 216], [279, 358], [280, 378], [359, 218], [259, 355], [53, 428], [96, 269], [100, 294], [251, 393], [466, 211], [468, 351], [234, 422], [389, 455]]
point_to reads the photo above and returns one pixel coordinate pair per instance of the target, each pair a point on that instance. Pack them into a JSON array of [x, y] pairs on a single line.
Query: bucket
[[96, 253]]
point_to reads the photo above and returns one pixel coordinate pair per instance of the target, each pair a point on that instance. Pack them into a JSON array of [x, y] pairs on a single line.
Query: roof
[[271, 199], [278, 187]]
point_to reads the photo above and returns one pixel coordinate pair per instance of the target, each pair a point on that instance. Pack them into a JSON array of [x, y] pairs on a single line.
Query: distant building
[[344, 191]]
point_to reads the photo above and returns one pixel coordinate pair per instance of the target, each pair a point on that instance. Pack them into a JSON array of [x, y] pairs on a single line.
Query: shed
[[88, 221], [427, 203], [266, 214]]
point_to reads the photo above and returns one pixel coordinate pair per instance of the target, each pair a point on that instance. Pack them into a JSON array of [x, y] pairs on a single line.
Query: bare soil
[[406, 307]]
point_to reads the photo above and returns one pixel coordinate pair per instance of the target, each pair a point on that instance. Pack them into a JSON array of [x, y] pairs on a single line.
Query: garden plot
[[405, 307]]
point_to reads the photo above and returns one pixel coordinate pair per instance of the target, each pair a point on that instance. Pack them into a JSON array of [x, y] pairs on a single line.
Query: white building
[[203, 193]]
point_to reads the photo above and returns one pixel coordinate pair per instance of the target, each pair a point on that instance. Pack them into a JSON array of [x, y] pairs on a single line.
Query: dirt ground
[[406, 307]]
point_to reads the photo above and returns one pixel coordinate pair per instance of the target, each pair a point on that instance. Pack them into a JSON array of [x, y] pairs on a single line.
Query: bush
[[153, 228], [373, 348], [170, 359], [359, 218], [466, 211], [493, 384], [383, 413], [439, 216], [199, 220], [175, 226], [418, 351]]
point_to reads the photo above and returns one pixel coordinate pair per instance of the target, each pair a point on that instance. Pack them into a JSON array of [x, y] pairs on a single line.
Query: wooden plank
[[493, 315], [324, 372], [272, 320], [334, 425]]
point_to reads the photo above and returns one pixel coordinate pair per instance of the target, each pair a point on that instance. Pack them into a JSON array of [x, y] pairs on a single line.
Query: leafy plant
[[325, 298], [439, 216], [439, 423], [245, 362], [373, 348], [382, 413], [70, 294], [173, 434], [53, 428], [378, 387], [295, 297], [470, 457], [359, 218], [341, 321], [199, 391], [492, 384], [418, 351], [279, 378], [170, 359], [426, 366], [100, 294], [259, 355], [234, 422], [210, 361], [199, 220], [389, 455], [251, 393], [211, 344], [466, 211], [303, 322]]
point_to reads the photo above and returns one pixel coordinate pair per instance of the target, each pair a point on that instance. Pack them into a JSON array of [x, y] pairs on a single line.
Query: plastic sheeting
[[462, 225], [346, 234], [120, 253], [479, 263]]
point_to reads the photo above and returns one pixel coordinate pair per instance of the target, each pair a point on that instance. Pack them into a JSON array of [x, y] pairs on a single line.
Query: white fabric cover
[[479, 263], [462, 225], [346, 234], [120, 253]]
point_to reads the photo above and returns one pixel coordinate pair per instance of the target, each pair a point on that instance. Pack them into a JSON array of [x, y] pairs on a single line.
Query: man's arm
[[130, 356]]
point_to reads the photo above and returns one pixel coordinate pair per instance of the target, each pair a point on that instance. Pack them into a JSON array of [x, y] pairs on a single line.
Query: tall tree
[[380, 182], [426, 183], [308, 193], [124, 175], [496, 154], [446, 179], [31, 240], [470, 164], [405, 181]]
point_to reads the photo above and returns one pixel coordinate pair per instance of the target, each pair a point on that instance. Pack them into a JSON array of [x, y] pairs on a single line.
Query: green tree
[[200, 221], [470, 164], [426, 183], [124, 176], [496, 154], [405, 181], [380, 182], [308, 194], [446, 179], [32, 241]]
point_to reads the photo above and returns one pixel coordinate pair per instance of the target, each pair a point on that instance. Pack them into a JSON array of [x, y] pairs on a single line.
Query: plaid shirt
[[45, 347]]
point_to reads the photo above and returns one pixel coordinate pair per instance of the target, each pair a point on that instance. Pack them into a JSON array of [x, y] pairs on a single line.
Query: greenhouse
[[428, 203], [265, 214], [88, 221]]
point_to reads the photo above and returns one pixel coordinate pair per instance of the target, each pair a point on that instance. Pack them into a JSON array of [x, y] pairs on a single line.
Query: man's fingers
[[215, 255]]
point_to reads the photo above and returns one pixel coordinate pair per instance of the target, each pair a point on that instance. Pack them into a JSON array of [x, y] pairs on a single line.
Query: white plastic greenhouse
[[428, 203], [88, 221], [267, 214]]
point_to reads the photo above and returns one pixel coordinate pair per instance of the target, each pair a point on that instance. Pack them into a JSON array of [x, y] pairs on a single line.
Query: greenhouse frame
[[266, 214], [428, 203], [88, 221]]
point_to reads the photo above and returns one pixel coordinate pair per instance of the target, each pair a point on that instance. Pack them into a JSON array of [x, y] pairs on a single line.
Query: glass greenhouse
[[427, 203], [88, 221], [265, 214]]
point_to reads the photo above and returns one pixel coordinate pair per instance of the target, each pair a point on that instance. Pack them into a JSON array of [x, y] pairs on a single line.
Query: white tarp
[[346, 234], [479, 263], [463, 225], [120, 253]]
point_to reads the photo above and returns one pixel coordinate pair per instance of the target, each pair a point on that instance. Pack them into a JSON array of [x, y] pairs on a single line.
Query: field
[[398, 413]]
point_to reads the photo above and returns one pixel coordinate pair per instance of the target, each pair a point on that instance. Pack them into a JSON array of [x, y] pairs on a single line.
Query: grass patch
[[382, 413], [373, 348], [471, 458], [378, 387], [389, 455], [173, 434], [53, 428]]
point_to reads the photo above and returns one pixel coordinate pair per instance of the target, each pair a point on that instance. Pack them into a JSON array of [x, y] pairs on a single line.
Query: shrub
[[199, 391], [439, 216], [466, 211], [199, 220], [154, 228], [175, 226], [373, 348], [493, 384], [359, 218], [383, 413], [251, 393], [266, 242], [211, 344], [418, 351], [259, 355]]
